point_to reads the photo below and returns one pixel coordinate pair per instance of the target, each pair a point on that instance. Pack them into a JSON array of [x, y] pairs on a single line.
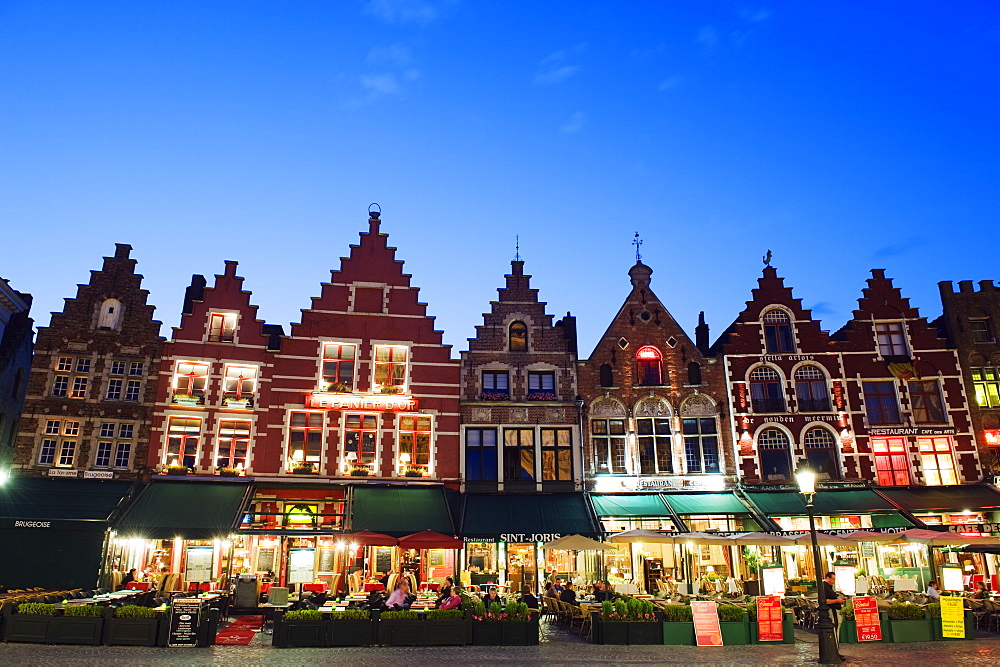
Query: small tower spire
[[637, 242], [517, 247]]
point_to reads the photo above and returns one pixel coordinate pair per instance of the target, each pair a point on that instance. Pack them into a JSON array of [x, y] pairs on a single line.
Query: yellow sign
[[952, 617]]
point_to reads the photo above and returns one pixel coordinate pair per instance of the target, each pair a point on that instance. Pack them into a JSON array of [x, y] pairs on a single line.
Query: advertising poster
[[707, 631], [769, 627], [952, 617], [866, 618]]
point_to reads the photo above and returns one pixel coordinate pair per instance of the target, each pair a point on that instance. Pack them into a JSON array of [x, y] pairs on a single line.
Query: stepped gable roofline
[[227, 284], [880, 300]]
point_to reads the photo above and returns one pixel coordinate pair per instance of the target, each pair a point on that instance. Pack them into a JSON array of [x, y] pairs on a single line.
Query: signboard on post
[[707, 631], [951, 578], [185, 616], [952, 617], [774, 579], [866, 618], [846, 579], [769, 627]]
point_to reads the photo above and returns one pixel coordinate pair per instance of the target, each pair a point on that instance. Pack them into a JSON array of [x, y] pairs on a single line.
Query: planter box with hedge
[[399, 628], [444, 627], [300, 629], [352, 627], [734, 623], [908, 623], [132, 625], [627, 621], [511, 625], [678, 626], [28, 622], [937, 634]]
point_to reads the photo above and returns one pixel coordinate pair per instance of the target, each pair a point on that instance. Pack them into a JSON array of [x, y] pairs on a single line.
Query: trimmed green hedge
[[134, 611], [36, 609], [304, 615]]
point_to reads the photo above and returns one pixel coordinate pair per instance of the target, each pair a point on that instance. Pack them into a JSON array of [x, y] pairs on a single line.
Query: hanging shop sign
[[914, 430], [185, 617], [707, 631], [98, 474], [61, 472], [618, 483], [769, 611], [866, 618], [375, 402], [952, 617]]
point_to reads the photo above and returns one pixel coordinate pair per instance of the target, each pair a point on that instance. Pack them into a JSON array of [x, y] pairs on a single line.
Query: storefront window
[[936, 461]]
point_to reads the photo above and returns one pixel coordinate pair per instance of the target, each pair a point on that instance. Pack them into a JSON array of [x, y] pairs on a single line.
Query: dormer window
[[222, 328], [778, 336], [891, 339], [518, 337], [109, 318], [648, 363]]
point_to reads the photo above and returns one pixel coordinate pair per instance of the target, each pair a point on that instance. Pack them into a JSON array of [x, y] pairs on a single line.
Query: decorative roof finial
[[517, 247], [767, 258], [637, 242]]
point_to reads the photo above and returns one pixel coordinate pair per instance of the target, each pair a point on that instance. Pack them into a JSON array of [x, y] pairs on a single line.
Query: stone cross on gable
[[637, 242]]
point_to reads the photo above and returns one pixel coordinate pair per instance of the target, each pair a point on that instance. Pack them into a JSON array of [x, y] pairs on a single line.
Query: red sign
[[838, 394], [741, 394], [769, 627], [375, 402], [866, 618], [707, 631]]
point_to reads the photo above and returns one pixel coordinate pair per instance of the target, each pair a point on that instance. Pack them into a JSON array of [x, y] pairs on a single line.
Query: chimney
[[195, 292], [701, 334]]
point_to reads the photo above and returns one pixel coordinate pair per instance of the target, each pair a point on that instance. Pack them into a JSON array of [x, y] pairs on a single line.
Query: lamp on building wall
[[805, 477]]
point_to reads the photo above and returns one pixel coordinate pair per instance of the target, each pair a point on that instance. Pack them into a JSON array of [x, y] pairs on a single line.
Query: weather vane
[[517, 247], [767, 258], [637, 242]]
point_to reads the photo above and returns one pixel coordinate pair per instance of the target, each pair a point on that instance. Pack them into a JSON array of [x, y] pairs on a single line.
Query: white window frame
[[408, 367], [165, 459], [343, 464], [286, 441], [323, 342], [218, 438], [431, 446]]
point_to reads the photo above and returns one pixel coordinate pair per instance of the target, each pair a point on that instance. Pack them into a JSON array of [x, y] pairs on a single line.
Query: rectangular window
[[222, 328], [103, 457], [496, 383], [83, 365], [305, 441], [541, 382], [240, 383], [987, 385], [125, 431], [136, 368], [71, 428], [936, 461], [891, 463], [132, 390], [891, 339], [360, 435], [183, 441], [557, 455], [114, 389], [481, 454], [117, 368], [607, 436], [701, 445], [982, 330], [67, 452], [47, 452], [52, 427], [122, 454], [390, 366], [519, 455], [414, 444], [926, 403], [190, 379], [654, 445], [60, 385], [881, 404], [107, 430], [64, 364], [234, 443], [338, 366], [79, 387]]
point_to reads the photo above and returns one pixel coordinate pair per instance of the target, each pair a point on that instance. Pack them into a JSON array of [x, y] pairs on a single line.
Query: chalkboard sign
[[327, 559], [185, 616], [383, 559], [265, 559], [867, 550]]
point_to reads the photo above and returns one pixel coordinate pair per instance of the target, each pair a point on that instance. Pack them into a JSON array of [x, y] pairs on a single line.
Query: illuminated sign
[[908, 430], [376, 402], [992, 437]]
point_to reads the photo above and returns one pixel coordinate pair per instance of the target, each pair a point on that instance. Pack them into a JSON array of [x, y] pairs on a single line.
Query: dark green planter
[[131, 631], [487, 633], [400, 633], [26, 628], [76, 630], [735, 633], [352, 632], [910, 631], [970, 630], [519, 634], [444, 632], [608, 632], [787, 630], [678, 633], [300, 634]]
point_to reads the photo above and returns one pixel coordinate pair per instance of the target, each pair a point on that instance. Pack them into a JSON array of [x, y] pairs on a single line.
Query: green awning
[[890, 520], [62, 500], [191, 510], [647, 504], [790, 503], [399, 511], [945, 498], [705, 503], [532, 517]]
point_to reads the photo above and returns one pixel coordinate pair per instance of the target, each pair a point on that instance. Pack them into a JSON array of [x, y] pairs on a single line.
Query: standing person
[[568, 595], [932, 591], [834, 602]]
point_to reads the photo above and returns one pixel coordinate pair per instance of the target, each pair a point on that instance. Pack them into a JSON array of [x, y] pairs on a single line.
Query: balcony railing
[[814, 404], [768, 405]]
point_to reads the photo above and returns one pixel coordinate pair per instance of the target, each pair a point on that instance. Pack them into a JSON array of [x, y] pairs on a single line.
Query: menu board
[[383, 559], [846, 580], [265, 559], [301, 564], [769, 617], [199, 564], [866, 618], [707, 631], [774, 579], [185, 615], [951, 578], [327, 559], [952, 617], [867, 550]]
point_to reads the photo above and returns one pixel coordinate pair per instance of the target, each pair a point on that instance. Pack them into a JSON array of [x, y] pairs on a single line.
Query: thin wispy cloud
[[822, 308], [574, 124], [556, 67], [897, 249], [754, 15], [420, 12], [670, 82], [708, 37], [395, 54]]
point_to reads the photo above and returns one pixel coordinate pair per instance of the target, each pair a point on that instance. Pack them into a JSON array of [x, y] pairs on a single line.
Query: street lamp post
[[828, 650]]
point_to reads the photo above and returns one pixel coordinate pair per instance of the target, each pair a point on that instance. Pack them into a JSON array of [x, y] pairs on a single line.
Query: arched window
[[648, 366], [778, 332], [694, 373], [766, 390], [775, 455], [518, 337], [110, 316], [607, 376], [821, 452], [810, 390]]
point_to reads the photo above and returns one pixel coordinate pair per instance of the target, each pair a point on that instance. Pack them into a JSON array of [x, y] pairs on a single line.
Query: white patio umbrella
[[704, 539], [648, 536], [577, 543], [822, 539], [934, 538], [869, 536], [762, 539]]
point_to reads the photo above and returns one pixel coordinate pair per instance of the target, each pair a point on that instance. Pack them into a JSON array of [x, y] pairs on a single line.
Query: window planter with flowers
[[338, 388], [542, 396], [494, 396], [390, 389], [188, 400], [229, 472], [414, 471], [359, 471], [243, 403], [627, 621], [175, 469], [304, 468]]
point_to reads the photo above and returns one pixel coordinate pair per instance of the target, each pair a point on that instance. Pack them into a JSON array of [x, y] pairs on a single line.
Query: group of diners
[[564, 591]]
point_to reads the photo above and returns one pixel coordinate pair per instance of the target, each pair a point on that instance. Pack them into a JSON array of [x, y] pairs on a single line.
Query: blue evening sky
[[841, 135]]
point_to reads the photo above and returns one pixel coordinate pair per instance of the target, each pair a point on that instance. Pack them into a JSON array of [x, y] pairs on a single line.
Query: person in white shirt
[[932, 591], [398, 599]]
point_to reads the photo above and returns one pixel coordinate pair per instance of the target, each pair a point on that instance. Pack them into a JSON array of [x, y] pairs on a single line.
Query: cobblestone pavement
[[562, 649]]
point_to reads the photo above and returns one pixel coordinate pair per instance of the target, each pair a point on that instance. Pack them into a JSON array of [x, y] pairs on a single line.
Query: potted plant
[[228, 472], [413, 472], [28, 622], [238, 403], [388, 389], [300, 628], [132, 625], [352, 627], [678, 625], [186, 399], [399, 628], [359, 471], [304, 468], [338, 387], [734, 625], [81, 624], [486, 630], [627, 621], [937, 634], [908, 623], [518, 626], [444, 627], [176, 469]]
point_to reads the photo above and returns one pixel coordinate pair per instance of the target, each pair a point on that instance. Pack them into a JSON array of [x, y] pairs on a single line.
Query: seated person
[[492, 597], [568, 594], [932, 591], [529, 599], [400, 597], [550, 591], [559, 586], [602, 591], [981, 592], [448, 599]]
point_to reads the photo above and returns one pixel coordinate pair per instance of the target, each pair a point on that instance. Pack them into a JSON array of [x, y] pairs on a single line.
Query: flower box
[[177, 470], [519, 633], [359, 472], [909, 631], [189, 401], [238, 403]]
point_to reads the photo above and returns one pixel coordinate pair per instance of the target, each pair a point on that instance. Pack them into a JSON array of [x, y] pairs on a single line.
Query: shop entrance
[[522, 567]]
